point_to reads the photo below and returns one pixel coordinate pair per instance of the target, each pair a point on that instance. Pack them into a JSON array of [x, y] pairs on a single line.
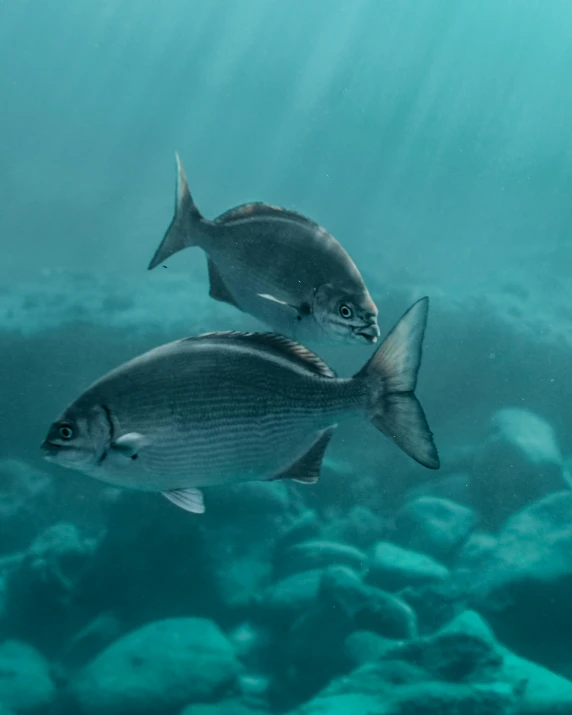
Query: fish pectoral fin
[[188, 499], [307, 469], [271, 298], [218, 289], [130, 444]]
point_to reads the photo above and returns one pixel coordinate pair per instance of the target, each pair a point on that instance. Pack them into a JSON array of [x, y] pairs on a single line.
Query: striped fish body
[[216, 410], [231, 407], [277, 265], [270, 251]]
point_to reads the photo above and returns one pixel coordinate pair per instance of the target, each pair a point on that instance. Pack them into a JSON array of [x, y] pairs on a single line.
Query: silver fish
[[223, 408], [276, 265]]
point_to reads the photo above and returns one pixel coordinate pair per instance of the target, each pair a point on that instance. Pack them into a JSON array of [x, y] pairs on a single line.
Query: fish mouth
[[369, 332], [50, 450]]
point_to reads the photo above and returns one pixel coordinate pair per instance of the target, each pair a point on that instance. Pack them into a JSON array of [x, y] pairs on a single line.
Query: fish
[[278, 266], [229, 407]]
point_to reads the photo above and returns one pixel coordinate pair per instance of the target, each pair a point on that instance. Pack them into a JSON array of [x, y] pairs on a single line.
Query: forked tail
[[186, 226], [392, 376]]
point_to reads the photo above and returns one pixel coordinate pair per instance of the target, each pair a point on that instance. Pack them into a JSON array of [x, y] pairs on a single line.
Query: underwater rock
[[42, 587], [525, 586], [393, 568], [91, 639], [26, 504], [314, 649], [25, 682], [368, 689], [387, 615], [359, 527], [307, 526], [478, 547], [250, 499], [150, 547], [433, 526], [454, 487], [519, 463], [251, 642], [315, 554], [461, 669], [158, 668], [364, 647], [291, 596], [226, 707], [463, 651], [437, 603], [437, 698]]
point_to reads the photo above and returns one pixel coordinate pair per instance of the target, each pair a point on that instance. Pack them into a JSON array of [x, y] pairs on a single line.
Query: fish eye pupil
[[345, 311], [66, 432]]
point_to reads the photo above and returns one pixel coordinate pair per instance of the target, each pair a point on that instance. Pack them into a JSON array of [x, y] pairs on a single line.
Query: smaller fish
[[278, 266], [223, 408]]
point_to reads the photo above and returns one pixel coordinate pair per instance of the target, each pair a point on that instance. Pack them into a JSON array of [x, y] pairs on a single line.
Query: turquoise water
[[433, 140]]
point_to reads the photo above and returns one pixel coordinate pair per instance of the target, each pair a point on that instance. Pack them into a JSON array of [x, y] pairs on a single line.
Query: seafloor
[[382, 590]]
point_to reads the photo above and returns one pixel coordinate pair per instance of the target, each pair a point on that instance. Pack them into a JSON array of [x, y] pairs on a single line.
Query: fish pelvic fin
[[391, 374], [187, 225], [188, 499]]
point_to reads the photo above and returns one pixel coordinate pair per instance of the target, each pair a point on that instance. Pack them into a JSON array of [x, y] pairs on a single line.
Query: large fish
[[278, 266], [230, 407]]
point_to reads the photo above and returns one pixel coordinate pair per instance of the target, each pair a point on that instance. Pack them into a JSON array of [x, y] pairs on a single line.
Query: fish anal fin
[[218, 289], [187, 499], [307, 469]]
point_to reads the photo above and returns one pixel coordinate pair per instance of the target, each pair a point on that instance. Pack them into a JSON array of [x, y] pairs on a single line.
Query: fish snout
[[49, 449], [369, 332]]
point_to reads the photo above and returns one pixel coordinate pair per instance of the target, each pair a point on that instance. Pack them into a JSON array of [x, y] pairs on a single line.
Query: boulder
[[433, 526], [158, 668], [315, 554], [26, 501], [365, 647], [524, 587], [25, 682], [43, 584], [461, 669], [437, 603], [288, 598], [96, 635], [226, 707], [314, 649], [307, 526], [478, 547], [392, 568], [359, 526], [386, 614], [519, 462], [439, 698]]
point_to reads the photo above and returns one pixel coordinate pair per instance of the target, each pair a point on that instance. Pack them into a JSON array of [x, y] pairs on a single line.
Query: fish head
[[347, 315], [79, 439]]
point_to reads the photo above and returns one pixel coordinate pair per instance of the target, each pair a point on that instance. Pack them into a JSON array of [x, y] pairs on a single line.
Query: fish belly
[[209, 456]]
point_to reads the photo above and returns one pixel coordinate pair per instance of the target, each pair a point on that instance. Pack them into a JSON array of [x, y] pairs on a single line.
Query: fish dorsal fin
[[275, 344], [258, 210], [307, 469]]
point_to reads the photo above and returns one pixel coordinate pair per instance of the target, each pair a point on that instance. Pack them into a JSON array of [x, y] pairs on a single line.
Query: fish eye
[[345, 311], [66, 431]]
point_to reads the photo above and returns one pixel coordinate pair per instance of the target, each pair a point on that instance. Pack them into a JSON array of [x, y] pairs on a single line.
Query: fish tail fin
[[391, 374], [187, 224]]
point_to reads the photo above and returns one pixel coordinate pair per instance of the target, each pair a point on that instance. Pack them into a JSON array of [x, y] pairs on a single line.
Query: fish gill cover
[[432, 141]]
